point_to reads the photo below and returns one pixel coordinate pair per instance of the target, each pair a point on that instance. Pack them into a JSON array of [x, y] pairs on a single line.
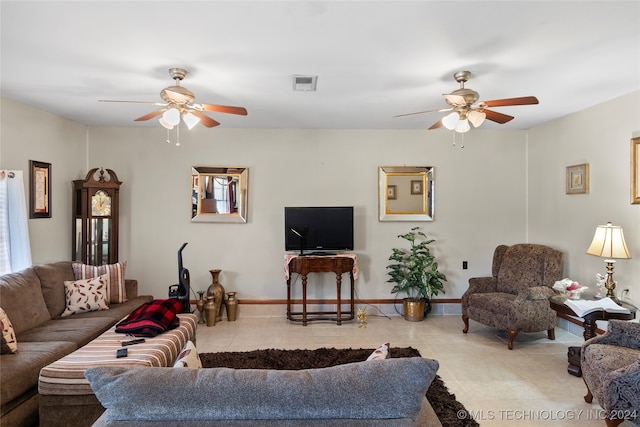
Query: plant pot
[[415, 310]]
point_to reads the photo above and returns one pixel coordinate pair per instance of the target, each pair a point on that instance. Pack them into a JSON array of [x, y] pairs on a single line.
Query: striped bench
[[64, 390]]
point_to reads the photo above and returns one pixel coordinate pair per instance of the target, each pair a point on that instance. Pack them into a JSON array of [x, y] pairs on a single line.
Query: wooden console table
[[303, 265], [589, 325]]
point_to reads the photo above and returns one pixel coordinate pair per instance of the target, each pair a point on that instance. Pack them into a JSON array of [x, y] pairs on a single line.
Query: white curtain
[[15, 250]]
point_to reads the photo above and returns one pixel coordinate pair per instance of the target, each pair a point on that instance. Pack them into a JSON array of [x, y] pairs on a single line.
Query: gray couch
[[33, 300], [376, 393]]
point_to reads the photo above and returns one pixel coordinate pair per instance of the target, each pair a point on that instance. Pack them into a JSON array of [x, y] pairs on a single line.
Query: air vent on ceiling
[[304, 83]]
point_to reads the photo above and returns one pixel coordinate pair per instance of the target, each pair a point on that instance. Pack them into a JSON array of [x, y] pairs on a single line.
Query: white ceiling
[[373, 59]]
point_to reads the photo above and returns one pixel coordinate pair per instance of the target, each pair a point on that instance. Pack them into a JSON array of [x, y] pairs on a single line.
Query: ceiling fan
[[465, 108], [179, 105]]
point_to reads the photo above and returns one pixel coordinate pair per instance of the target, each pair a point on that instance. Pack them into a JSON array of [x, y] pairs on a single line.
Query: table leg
[[289, 298], [339, 290], [590, 327], [304, 300], [573, 356], [353, 302]]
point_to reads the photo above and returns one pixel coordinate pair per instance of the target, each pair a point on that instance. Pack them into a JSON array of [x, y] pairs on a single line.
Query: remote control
[[132, 342], [122, 352]]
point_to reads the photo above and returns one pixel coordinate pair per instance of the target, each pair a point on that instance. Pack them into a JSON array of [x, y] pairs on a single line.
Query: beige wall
[[480, 194], [30, 134], [599, 136], [308, 167]]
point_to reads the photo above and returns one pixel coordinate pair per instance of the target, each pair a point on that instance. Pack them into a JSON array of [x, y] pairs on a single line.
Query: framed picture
[[39, 189], [578, 179], [391, 192], [635, 171], [416, 187]]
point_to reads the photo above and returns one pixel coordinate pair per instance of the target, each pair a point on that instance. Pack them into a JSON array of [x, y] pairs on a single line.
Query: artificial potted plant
[[415, 273]]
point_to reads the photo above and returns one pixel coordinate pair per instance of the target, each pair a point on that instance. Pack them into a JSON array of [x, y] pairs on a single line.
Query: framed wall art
[[392, 192], [635, 171], [416, 187], [406, 193], [578, 179], [39, 189]]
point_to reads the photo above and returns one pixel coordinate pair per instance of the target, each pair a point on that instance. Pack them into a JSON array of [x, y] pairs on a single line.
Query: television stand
[[305, 264]]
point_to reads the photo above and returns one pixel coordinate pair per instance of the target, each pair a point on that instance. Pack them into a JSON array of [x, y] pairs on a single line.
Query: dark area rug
[[444, 403]]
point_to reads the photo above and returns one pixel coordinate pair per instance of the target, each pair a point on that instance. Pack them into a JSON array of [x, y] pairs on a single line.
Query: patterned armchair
[[611, 371], [516, 296]]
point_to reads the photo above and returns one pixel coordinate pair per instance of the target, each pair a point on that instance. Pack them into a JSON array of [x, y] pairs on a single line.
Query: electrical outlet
[[464, 265], [625, 294]]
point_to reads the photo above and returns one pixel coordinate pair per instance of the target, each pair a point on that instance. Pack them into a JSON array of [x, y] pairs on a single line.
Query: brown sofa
[[33, 300]]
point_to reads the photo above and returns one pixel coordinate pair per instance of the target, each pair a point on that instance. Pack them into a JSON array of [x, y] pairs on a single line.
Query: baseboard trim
[[578, 322], [335, 301]]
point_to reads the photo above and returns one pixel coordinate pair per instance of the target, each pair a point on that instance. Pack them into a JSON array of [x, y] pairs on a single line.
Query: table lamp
[[608, 242]]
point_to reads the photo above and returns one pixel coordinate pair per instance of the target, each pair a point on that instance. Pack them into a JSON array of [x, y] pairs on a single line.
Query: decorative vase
[[200, 306], [216, 290], [210, 311], [232, 306]]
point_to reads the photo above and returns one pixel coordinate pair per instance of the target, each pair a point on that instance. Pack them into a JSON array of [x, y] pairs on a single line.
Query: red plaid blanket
[[152, 318]]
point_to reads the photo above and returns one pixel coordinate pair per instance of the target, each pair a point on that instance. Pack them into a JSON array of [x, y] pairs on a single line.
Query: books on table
[[582, 307]]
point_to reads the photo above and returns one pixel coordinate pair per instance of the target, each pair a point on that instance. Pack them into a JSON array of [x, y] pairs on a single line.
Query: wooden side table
[[589, 325], [304, 265]]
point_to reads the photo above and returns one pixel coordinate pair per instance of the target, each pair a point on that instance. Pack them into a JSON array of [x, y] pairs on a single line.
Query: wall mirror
[[405, 193], [219, 194]]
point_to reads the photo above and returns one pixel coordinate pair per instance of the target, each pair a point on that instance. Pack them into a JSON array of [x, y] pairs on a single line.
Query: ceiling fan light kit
[[179, 105], [465, 108]]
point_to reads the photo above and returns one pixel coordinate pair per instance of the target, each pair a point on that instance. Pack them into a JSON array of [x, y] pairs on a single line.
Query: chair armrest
[[622, 389], [131, 287], [536, 293], [477, 285], [620, 333], [482, 285]]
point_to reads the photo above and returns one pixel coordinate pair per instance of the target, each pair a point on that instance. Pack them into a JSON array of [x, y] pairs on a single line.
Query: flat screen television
[[318, 230]]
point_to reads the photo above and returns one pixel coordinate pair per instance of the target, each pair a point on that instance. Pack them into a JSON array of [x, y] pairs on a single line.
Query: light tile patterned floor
[[527, 386]]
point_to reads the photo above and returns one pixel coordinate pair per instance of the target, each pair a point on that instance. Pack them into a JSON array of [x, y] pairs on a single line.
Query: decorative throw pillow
[[9, 342], [188, 357], [85, 295], [380, 353], [116, 291]]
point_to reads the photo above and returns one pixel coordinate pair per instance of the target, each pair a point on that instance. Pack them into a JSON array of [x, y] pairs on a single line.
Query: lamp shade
[[462, 126], [164, 123], [171, 116], [608, 242], [451, 120], [476, 117], [191, 120]]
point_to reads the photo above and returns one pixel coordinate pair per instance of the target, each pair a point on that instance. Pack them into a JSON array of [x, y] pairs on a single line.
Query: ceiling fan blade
[[223, 109], [134, 102], [525, 100], [494, 116], [422, 112], [436, 125], [205, 120], [149, 116]]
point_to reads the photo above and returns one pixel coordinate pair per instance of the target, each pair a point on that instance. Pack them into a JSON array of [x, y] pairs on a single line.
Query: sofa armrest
[[620, 333], [131, 287], [536, 293], [477, 285], [482, 285]]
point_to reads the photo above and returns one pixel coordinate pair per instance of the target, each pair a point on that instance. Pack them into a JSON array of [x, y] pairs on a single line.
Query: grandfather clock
[[95, 218]]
